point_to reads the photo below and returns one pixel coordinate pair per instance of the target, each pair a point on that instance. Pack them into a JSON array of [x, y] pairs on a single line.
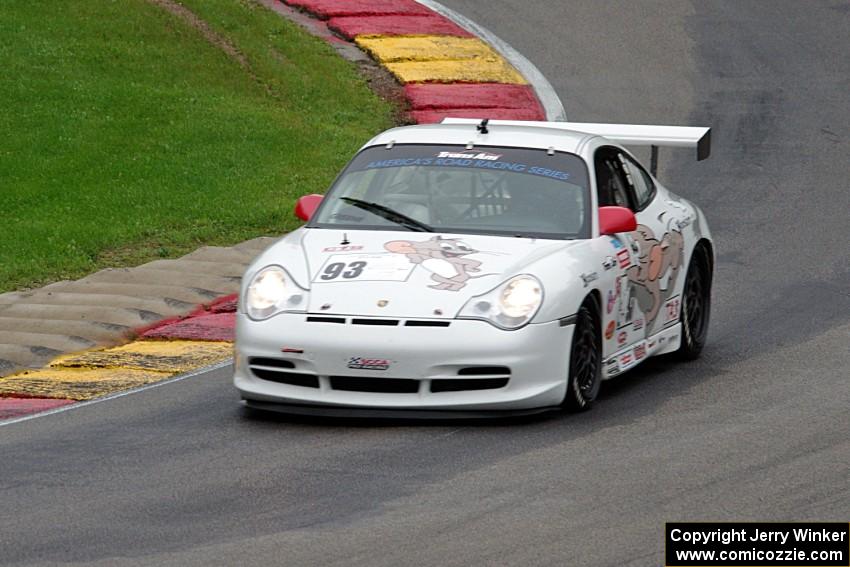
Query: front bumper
[[536, 358]]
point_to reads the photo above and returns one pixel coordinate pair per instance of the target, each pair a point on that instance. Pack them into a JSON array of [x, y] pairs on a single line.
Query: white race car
[[477, 267]]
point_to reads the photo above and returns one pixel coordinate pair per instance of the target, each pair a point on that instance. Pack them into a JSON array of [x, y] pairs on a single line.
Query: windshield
[[485, 190]]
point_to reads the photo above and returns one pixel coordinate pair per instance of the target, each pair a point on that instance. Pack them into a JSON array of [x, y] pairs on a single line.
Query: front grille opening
[[379, 322], [460, 385], [290, 378], [484, 371], [318, 319], [427, 323], [272, 362], [375, 385]]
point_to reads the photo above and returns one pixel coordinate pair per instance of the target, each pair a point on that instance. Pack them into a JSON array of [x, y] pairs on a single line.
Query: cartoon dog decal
[[658, 260], [445, 258]]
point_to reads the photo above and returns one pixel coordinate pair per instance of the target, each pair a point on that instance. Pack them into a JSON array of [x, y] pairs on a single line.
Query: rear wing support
[[653, 161]]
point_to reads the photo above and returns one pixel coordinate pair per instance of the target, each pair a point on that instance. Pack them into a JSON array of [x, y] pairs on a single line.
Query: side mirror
[[307, 205], [616, 219]]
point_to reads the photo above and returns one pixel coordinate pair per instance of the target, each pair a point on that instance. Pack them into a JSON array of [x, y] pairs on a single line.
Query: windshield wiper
[[389, 214]]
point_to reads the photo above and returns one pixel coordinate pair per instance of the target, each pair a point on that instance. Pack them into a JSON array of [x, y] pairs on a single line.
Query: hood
[[409, 274]]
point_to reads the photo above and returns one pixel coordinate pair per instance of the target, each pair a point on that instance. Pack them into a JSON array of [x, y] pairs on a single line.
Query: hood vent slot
[[427, 323], [315, 319], [379, 322]]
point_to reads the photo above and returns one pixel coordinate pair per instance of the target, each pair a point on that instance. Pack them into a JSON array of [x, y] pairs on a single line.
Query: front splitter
[[383, 413]]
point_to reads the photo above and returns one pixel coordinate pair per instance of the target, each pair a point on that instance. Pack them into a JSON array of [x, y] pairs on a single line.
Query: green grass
[[127, 136]]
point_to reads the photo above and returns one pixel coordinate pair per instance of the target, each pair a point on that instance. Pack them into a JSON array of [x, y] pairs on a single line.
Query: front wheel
[[585, 372], [696, 305]]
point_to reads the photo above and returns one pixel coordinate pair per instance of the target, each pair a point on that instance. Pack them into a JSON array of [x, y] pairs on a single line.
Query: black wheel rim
[[585, 356], [694, 305]]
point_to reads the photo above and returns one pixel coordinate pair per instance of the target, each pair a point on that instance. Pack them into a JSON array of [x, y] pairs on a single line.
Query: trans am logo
[[361, 363]]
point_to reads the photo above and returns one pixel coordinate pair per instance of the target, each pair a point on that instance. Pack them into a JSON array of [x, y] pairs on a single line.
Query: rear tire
[[696, 305], [585, 371]]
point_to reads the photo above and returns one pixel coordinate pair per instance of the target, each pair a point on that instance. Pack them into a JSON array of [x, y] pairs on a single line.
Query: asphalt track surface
[[757, 429]]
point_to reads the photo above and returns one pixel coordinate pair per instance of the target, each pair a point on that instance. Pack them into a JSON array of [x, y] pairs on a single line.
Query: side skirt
[[662, 342]]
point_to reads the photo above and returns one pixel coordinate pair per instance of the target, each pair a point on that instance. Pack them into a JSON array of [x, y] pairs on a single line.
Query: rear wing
[[626, 134]]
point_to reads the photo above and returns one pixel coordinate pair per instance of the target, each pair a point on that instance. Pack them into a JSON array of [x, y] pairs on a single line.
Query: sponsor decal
[[626, 360], [671, 310], [639, 351], [609, 262], [479, 160], [461, 155], [613, 367], [624, 303], [362, 363], [621, 338], [399, 162], [637, 324], [650, 344], [383, 302], [624, 258], [587, 278], [615, 242], [609, 330], [612, 300], [342, 249], [681, 224]]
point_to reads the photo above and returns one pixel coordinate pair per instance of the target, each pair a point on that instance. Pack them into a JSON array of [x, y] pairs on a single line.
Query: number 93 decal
[[348, 271], [341, 268]]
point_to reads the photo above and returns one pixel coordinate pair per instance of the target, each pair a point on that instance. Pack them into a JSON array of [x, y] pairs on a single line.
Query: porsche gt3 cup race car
[[475, 266]]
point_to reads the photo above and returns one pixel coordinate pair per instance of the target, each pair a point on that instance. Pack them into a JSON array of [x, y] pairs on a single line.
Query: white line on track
[[545, 91], [121, 394]]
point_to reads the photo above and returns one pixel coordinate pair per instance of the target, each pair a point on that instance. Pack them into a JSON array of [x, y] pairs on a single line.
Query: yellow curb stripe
[[394, 49], [455, 72], [77, 384], [444, 59], [160, 356]]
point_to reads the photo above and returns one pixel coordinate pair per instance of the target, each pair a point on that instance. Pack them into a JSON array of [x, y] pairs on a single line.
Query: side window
[[641, 182], [611, 180]]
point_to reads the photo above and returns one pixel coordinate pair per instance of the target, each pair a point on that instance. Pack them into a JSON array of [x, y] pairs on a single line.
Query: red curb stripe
[[352, 26], [226, 304], [427, 96], [325, 9], [17, 407], [433, 116], [211, 327]]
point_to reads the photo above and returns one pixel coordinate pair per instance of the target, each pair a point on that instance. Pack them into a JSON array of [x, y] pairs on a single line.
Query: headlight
[[509, 306], [272, 291]]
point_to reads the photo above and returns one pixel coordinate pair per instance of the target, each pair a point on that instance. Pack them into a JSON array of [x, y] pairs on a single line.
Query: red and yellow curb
[[165, 349], [428, 52]]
